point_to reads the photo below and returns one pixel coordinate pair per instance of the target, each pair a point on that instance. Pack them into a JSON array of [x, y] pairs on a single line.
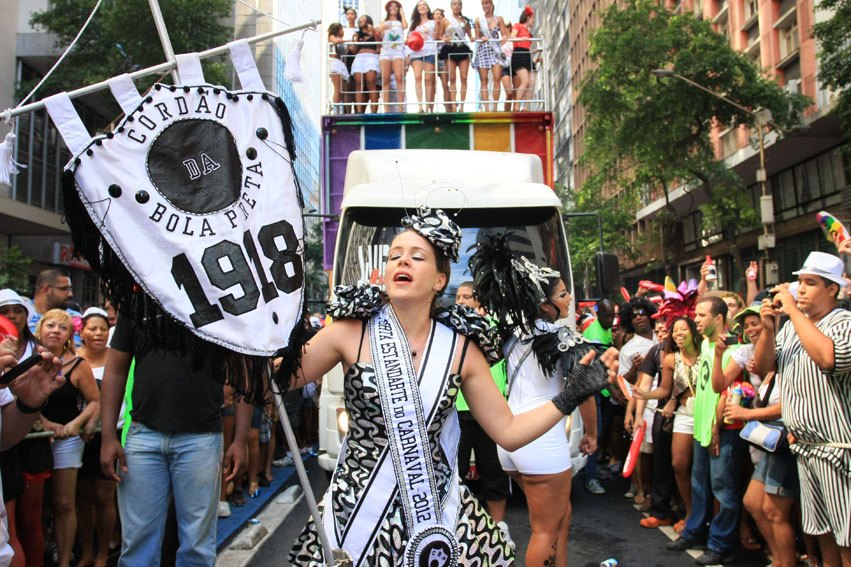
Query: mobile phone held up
[[731, 340], [18, 370]]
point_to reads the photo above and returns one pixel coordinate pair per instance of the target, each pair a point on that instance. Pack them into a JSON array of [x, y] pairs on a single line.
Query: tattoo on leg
[[551, 560]]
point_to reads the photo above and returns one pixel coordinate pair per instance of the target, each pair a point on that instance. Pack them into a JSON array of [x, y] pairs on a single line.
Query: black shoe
[[711, 557], [683, 544]]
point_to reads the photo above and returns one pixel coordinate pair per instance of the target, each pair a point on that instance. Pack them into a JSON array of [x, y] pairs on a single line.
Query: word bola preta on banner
[[190, 212]]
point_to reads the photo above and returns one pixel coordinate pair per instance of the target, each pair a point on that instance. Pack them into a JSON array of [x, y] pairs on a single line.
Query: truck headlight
[[342, 421]]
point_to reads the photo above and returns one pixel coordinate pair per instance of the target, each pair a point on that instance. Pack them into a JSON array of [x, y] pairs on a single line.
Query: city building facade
[[31, 207], [806, 171], [552, 23]]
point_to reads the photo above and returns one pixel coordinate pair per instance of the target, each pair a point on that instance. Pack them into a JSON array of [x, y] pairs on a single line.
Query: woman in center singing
[[395, 497]]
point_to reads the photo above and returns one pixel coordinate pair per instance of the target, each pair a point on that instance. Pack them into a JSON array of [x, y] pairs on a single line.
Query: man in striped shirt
[[812, 353]]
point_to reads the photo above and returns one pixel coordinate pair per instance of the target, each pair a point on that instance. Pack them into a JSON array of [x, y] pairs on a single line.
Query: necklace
[[415, 350]]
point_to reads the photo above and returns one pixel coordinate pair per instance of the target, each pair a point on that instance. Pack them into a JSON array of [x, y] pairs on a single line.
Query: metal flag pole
[[332, 556], [161, 68], [162, 31]]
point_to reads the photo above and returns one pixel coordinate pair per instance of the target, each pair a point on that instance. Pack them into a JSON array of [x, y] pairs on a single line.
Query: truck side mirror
[[607, 272]]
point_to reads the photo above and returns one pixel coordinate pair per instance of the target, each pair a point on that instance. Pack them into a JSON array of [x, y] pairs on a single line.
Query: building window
[[751, 9], [789, 42], [729, 142]]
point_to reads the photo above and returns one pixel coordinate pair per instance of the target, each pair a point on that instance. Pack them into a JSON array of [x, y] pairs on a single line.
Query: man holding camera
[[813, 354]]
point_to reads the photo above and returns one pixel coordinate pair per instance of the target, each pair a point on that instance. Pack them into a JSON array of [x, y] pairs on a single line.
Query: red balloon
[[415, 41], [7, 328]]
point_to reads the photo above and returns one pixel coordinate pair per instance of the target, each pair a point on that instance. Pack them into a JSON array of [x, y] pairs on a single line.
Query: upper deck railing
[[518, 89]]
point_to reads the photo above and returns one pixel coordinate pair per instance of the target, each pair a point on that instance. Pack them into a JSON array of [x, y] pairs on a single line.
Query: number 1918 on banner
[[225, 265]]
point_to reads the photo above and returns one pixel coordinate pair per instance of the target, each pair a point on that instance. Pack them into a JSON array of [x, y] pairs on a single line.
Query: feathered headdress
[[679, 303], [436, 227], [508, 286]]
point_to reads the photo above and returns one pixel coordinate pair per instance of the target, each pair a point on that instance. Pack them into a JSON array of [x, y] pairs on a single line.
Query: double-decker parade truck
[[491, 171]]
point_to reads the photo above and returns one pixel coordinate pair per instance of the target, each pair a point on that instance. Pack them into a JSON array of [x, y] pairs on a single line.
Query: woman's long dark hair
[[415, 17], [692, 327]]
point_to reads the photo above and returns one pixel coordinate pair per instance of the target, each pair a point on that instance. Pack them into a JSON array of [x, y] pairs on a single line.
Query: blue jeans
[[721, 473], [189, 465]]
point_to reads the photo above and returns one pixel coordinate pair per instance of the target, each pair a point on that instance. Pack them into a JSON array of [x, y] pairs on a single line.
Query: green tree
[[646, 134], [14, 266], [835, 54], [584, 236], [122, 38]]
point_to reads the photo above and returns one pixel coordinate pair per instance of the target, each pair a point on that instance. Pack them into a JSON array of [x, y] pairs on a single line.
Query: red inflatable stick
[[625, 294], [7, 328], [632, 457]]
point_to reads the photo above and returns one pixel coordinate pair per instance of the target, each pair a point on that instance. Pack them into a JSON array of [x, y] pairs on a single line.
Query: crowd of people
[[369, 61], [60, 503], [704, 374], [737, 408]]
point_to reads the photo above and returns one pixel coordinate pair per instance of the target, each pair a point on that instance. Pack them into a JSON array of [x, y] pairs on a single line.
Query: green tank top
[[705, 398]]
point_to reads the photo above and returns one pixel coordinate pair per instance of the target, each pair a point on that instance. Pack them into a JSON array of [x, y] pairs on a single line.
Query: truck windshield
[[366, 234]]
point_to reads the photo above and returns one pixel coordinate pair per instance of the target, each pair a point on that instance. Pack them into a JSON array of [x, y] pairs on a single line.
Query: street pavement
[[604, 526]]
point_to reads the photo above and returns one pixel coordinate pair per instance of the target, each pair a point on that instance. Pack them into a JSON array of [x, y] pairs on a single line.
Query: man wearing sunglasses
[[52, 291]]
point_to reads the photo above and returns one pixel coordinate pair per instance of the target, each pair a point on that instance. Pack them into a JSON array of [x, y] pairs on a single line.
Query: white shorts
[[365, 62], [389, 53], [68, 453], [649, 415], [548, 454], [683, 423], [339, 68]]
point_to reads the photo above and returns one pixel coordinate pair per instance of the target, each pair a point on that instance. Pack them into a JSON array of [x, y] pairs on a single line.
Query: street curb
[[270, 519]]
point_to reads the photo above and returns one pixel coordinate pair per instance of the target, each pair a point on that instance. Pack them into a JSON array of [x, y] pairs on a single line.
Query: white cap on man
[[828, 266]]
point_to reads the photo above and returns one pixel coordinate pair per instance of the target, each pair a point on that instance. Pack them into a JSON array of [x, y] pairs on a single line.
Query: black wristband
[[27, 409]]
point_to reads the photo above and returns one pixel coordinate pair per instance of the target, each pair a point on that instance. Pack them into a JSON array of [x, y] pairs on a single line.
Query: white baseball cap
[[10, 297], [828, 266]]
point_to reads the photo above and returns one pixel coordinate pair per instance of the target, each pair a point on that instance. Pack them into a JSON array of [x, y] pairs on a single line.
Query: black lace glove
[[582, 383]]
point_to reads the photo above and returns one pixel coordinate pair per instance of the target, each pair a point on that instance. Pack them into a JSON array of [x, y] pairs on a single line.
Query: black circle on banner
[[195, 165]]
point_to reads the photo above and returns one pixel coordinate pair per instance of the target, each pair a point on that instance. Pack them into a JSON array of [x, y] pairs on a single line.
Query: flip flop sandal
[[750, 544]]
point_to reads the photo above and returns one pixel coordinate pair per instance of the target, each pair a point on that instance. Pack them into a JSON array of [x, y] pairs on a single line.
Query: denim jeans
[[721, 473], [187, 465]]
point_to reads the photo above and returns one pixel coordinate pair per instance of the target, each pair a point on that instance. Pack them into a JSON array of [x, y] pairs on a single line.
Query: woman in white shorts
[[542, 468], [72, 411], [391, 34], [336, 68], [679, 377], [365, 67]]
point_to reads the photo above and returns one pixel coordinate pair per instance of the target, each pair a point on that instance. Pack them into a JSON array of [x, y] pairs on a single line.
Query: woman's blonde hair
[[61, 316]]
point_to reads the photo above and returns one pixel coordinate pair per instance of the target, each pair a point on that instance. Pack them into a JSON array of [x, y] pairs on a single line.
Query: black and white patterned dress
[[481, 542], [488, 53]]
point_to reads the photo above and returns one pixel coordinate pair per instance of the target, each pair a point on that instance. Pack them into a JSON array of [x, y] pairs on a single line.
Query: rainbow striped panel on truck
[[522, 132]]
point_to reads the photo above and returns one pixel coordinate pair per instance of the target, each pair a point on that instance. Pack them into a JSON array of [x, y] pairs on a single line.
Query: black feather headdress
[[507, 285]]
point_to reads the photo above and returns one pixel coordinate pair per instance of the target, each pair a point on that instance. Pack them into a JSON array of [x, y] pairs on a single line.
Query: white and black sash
[[460, 31], [406, 466]]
